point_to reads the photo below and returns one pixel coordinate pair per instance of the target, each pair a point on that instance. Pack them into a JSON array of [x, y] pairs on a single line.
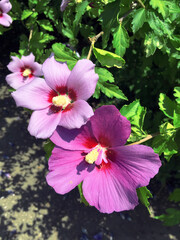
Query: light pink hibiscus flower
[[64, 4], [60, 99], [5, 7], [24, 71], [95, 154]]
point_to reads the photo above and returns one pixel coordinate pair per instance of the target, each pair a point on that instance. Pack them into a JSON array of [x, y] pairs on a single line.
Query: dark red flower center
[[1, 12], [27, 72]]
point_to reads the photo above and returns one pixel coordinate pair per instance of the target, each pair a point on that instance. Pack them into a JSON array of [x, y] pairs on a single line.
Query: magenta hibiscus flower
[[5, 7], [64, 4], [60, 99], [24, 71], [95, 155]]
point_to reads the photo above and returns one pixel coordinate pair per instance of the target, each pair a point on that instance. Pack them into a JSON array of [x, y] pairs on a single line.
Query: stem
[[93, 40], [142, 4], [145, 139], [125, 15], [30, 36]]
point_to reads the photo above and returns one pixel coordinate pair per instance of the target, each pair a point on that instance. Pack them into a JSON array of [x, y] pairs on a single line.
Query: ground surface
[[30, 209]]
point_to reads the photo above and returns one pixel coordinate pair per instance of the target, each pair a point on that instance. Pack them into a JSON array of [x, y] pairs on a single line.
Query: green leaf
[[26, 13], [139, 17], [109, 18], [64, 54], [151, 42], [111, 90], [144, 194], [160, 4], [80, 10], [175, 195], [120, 40], [83, 200], [108, 59], [171, 218], [177, 94], [176, 117], [48, 147], [45, 24], [166, 105], [104, 75]]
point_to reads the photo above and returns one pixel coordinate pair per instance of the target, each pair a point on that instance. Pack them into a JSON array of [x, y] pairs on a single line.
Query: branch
[[142, 4], [93, 40], [145, 139]]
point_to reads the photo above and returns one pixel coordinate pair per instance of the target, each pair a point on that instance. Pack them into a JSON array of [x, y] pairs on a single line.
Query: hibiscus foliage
[[135, 48]]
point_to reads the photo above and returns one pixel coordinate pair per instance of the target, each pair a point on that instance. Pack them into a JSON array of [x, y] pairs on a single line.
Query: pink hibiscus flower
[[60, 99], [24, 71], [95, 155], [64, 4], [5, 7]]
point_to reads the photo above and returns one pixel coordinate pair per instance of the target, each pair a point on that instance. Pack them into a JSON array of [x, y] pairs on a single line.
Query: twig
[[30, 36], [125, 15], [145, 139], [93, 40], [142, 4]]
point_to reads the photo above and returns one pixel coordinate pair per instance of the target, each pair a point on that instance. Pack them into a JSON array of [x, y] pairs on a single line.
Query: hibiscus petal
[[5, 20], [83, 79], [111, 192], [74, 139], [43, 123], [109, 127], [37, 69], [64, 4], [15, 65], [33, 95], [137, 162], [28, 60], [77, 116], [67, 170], [55, 73], [5, 6], [15, 80]]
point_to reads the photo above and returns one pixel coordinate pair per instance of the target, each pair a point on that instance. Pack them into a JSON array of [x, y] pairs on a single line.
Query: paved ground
[[31, 210]]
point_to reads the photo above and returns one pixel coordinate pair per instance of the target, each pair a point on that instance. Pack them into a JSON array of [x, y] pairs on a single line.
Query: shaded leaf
[[166, 105], [160, 4], [144, 194], [171, 218]]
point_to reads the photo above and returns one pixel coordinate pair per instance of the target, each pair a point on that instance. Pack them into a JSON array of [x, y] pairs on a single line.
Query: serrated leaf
[[80, 10], [139, 17], [104, 75], [109, 18], [64, 54], [26, 13], [108, 59], [166, 105], [120, 40], [144, 194], [45, 24], [177, 94], [160, 4], [175, 195], [151, 43], [171, 218], [111, 90]]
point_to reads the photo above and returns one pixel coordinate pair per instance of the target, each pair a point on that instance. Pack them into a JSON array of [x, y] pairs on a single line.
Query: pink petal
[[67, 170], [137, 162], [37, 69], [83, 79], [28, 60], [55, 73], [15, 80], [64, 4], [33, 95], [108, 191], [109, 127], [43, 123], [5, 6], [5, 20], [74, 139], [77, 116], [15, 65]]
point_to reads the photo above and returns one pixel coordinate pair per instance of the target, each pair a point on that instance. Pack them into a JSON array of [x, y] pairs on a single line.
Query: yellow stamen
[[92, 156], [26, 72], [61, 101]]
